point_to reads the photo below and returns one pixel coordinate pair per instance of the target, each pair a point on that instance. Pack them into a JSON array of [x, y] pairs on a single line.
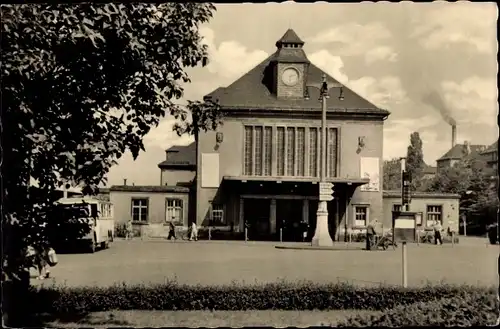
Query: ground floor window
[[174, 211], [139, 209], [218, 217], [434, 214], [360, 216]]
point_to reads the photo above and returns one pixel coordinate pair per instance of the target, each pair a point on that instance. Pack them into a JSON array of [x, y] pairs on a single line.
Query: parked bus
[[99, 213]]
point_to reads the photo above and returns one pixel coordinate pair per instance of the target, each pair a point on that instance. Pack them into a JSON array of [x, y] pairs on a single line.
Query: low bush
[[466, 310], [275, 296]]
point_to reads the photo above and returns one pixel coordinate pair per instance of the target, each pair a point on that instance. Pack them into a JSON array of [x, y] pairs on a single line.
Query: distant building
[[179, 166], [429, 172], [490, 155], [442, 207], [458, 153]]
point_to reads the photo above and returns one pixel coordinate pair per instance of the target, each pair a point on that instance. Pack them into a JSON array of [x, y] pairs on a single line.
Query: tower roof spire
[[290, 37]]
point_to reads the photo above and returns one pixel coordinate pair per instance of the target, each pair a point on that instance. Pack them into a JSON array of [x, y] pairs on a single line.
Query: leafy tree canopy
[[415, 159], [392, 174], [81, 84], [475, 183]]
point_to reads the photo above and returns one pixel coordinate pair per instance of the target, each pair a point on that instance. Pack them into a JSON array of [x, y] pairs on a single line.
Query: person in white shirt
[[437, 233], [194, 232]]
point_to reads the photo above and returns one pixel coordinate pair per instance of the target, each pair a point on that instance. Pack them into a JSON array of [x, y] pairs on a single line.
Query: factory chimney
[[453, 135], [125, 181]]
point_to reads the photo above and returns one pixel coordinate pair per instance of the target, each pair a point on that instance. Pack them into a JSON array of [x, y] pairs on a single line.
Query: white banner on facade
[[210, 170], [370, 168]]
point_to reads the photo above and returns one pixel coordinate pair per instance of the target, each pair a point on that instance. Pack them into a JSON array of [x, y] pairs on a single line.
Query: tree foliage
[[82, 84], [476, 185], [392, 174], [415, 160]]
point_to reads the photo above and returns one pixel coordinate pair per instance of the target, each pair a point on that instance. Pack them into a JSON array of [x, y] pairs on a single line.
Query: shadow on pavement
[[46, 320]]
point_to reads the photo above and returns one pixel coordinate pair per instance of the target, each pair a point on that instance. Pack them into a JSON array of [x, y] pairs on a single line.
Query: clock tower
[[290, 65]]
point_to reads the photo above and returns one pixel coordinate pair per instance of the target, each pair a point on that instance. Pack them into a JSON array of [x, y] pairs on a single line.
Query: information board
[[404, 226]]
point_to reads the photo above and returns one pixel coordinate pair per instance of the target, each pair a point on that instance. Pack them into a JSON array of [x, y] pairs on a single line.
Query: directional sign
[[325, 191]]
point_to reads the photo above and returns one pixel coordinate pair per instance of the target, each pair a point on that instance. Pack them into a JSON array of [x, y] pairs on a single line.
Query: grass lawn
[[208, 319], [217, 262]]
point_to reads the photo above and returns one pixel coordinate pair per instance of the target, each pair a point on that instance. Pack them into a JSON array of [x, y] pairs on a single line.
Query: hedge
[[275, 296], [464, 311]]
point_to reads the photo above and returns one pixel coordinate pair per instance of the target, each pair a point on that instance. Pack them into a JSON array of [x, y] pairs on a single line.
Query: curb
[[334, 248]]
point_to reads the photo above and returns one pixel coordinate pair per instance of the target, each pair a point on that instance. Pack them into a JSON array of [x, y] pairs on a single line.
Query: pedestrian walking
[[370, 234], [171, 232], [194, 232], [438, 240], [45, 258], [129, 232]]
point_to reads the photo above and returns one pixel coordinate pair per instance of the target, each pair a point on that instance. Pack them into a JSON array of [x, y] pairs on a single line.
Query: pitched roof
[[149, 188], [253, 91], [429, 170], [492, 148], [289, 37], [180, 156], [457, 152]]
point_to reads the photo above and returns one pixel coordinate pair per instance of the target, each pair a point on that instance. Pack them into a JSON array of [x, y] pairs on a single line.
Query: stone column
[[241, 223], [305, 210], [272, 216]]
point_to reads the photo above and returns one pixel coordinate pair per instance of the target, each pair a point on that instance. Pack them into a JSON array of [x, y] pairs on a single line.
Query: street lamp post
[[321, 235]]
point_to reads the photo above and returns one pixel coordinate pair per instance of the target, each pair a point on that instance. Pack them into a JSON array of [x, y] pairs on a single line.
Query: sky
[[429, 64]]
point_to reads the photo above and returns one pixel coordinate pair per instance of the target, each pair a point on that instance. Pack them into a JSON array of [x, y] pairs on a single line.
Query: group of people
[[371, 233], [192, 232]]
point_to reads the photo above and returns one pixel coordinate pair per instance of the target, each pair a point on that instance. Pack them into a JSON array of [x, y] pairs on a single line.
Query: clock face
[[290, 77]]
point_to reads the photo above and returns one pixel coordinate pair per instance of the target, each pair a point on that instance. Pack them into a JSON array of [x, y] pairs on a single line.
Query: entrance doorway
[[256, 213], [289, 218]]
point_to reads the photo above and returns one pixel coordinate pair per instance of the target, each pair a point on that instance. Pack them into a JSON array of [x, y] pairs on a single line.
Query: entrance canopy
[[299, 186], [334, 180]]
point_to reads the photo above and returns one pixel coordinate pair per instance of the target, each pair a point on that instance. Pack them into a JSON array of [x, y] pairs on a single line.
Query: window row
[[174, 211], [434, 214], [294, 147]]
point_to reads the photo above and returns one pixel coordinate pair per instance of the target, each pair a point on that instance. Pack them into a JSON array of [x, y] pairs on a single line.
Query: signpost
[[325, 191], [404, 230]]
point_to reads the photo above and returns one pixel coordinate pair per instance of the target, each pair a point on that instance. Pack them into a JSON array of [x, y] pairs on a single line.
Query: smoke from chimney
[[453, 135], [434, 99]]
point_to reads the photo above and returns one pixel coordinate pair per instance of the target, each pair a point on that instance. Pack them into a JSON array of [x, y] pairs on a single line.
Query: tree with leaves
[[476, 185], [392, 174], [81, 85], [415, 160]]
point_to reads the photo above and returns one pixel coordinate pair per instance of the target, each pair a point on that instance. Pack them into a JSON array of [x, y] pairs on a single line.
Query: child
[[129, 230]]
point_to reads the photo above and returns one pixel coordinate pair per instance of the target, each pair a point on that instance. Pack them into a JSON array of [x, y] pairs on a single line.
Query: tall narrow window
[[258, 151], [301, 150], [313, 152], [434, 215], [290, 151], [332, 152], [280, 150], [140, 209], [174, 211], [248, 151], [268, 133]]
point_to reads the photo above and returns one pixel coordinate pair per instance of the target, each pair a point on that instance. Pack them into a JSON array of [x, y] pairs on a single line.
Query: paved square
[[217, 262]]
